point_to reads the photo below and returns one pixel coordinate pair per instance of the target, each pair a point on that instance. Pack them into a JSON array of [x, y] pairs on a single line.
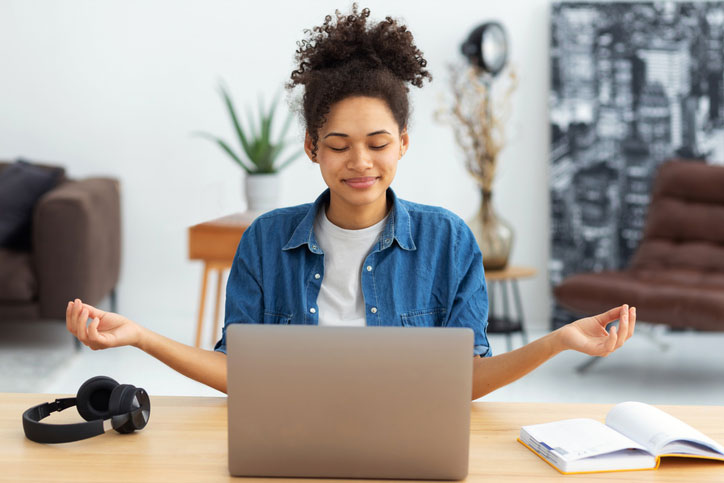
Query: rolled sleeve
[[470, 302], [473, 314]]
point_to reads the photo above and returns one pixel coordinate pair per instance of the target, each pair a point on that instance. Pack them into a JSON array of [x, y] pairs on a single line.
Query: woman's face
[[357, 152]]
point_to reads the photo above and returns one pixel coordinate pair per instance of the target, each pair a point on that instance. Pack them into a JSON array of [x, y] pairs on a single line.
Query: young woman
[[358, 255]]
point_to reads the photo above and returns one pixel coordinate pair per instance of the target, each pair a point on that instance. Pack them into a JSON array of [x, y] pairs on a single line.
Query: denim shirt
[[426, 270]]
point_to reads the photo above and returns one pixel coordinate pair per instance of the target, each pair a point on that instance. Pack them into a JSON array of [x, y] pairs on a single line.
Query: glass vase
[[493, 234]]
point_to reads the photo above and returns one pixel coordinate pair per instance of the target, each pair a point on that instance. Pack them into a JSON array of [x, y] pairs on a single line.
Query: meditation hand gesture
[[589, 335], [105, 330]]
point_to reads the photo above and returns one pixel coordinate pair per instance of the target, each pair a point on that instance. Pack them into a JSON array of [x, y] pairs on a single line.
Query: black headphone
[[99, 399]]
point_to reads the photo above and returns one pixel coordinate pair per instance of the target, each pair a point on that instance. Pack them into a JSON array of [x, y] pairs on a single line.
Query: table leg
[[507, 316], [219, 281], [519, 306], [114, 301], [202, 304]]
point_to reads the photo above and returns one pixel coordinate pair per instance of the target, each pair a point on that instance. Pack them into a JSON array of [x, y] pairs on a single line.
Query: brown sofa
[[676, 276], [76, 251]]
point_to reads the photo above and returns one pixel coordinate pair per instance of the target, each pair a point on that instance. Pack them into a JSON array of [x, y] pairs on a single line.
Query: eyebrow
[[343, 135]]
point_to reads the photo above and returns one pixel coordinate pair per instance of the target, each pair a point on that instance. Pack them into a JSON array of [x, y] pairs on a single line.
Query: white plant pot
[[262, 192]]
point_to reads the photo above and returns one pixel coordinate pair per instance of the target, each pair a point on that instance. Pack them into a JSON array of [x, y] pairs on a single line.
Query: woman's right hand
[[105, 330]]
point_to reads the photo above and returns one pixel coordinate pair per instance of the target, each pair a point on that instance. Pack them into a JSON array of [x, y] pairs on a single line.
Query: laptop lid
[[343, 402]]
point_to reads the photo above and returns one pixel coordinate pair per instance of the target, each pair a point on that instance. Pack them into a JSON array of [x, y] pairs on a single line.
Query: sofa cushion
[[21, 186], [674, 297], [17, 279]]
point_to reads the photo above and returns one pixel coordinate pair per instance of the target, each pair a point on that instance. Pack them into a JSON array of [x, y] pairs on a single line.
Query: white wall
[[116, 88]]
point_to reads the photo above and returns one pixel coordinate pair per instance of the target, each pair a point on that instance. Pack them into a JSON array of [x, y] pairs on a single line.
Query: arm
[[205, 366], [491, 373], [586, 335], [244, 304], [112, 330]]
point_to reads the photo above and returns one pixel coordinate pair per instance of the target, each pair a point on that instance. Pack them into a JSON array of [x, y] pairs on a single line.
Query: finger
[[632, 320], [78, 315], [94, 337], [612, 338], [622, 326], [93, 312], [74, 315], [77, 307], [607, 317], [68, 316], [81, 327]]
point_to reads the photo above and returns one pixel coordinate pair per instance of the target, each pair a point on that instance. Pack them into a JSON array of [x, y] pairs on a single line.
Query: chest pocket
[[425, 317], [274, 318]]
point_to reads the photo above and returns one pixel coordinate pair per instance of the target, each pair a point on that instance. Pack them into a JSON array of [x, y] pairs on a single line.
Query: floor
[[40, 357]]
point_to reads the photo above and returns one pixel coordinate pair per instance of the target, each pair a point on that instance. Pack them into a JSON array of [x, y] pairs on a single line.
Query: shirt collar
[[398, 226]]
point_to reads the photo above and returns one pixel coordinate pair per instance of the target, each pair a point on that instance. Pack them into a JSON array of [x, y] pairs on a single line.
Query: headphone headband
[[57, 433]]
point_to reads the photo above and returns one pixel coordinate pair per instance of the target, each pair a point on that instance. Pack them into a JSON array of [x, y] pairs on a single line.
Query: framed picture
[[632, 85]]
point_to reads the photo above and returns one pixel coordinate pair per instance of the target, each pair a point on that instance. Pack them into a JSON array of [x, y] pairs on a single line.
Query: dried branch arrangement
[[477, 120]]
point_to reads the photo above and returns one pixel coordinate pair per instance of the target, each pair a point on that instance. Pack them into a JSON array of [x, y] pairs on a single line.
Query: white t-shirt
[[340, 301]]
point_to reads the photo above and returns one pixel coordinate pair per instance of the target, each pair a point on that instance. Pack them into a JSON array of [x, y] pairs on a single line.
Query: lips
[[361, 183]]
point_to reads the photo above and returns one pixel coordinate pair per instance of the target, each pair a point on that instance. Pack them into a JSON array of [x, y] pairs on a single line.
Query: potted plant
[[260, 152]]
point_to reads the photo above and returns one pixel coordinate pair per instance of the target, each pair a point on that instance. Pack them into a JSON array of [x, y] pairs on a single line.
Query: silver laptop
[[341, 402]]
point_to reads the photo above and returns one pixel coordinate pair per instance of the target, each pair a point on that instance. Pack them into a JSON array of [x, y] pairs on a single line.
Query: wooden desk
[[215, 243], [186, 441]]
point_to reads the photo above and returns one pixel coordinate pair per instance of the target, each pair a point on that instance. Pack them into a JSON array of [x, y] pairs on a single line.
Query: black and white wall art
[[632, 85]]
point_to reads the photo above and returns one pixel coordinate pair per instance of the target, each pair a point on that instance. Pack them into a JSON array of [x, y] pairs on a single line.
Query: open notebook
[[634, 437]]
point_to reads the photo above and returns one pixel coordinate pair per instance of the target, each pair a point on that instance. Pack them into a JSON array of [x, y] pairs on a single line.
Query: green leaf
[[269, 118], [235, 120], [263, 126], [224, 146], [266, 157], [276, 150], [254, 136]]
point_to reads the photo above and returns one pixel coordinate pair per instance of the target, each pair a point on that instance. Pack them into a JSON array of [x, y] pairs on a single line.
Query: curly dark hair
[[345, 57]]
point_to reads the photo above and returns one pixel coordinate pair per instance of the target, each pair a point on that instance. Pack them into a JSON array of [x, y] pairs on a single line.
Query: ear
[[308, 146], [404, 141]]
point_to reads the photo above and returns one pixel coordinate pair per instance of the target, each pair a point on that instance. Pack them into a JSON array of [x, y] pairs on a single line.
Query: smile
[[360, 183]]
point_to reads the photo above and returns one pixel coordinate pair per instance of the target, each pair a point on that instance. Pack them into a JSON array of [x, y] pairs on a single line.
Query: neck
[[353, 217]]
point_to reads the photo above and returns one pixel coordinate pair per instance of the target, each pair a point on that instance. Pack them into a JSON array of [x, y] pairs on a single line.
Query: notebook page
[[573, 439], [653, 428]]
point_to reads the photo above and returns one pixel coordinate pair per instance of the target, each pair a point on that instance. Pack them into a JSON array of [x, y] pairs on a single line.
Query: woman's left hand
[[589, 335]]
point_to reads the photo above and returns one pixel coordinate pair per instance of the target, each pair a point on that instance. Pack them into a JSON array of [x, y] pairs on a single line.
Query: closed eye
[[339, 150]]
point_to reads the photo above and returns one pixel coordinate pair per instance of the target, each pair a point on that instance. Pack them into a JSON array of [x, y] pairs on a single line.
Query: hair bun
[[346, 41]]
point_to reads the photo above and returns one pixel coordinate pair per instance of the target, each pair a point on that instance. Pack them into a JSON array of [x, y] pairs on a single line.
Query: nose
[[359, 160]]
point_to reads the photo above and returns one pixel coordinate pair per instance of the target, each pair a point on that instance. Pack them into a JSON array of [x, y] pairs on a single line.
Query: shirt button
[[313, 310], [387, 240], [316, 275], [369, 268], [373, 310], [314, 247]]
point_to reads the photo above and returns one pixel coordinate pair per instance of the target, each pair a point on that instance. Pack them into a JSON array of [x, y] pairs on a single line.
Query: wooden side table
[[505, 323], [215, 243]]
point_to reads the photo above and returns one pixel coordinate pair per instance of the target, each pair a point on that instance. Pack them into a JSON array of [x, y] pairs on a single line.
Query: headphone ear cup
[[121, 399], [93, 398], [121, 402]]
